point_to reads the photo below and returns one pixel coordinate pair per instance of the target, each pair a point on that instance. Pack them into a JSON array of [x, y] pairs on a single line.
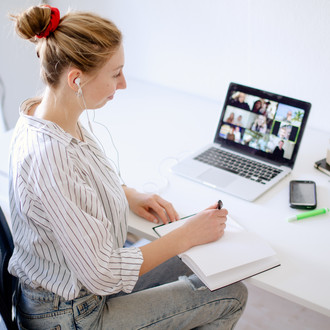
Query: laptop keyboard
[[239, 165]]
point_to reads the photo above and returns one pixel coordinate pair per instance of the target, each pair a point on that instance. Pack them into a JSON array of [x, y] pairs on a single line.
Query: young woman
[[69, 209]]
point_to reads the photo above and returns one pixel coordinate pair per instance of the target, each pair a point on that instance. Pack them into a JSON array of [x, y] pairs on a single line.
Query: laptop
[[255, 145]]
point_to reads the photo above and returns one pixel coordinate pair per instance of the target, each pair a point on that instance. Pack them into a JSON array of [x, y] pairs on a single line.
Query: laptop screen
[[262, 124]]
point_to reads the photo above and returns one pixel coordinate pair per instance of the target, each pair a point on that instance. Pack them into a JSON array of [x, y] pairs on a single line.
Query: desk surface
[[153, 126]]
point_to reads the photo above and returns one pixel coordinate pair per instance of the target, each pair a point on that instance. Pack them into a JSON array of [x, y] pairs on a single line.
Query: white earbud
[[77, 82], [80, 93]]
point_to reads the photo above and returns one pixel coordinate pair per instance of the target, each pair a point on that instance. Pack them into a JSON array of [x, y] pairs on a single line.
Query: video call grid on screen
[[262, 125]]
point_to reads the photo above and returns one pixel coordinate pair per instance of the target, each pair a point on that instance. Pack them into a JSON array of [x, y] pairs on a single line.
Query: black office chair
[[7, 281]]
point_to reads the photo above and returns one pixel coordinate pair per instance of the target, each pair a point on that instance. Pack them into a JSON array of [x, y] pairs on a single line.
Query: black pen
[[219, 207]]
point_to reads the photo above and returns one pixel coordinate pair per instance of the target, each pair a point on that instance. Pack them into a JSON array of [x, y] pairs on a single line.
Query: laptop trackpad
[[217, 178]]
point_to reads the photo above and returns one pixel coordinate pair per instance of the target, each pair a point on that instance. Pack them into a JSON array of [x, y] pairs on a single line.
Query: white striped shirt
[[69, 214]]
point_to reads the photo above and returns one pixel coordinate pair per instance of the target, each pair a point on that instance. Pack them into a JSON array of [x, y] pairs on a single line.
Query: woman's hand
[[206, 226], [150, 206]]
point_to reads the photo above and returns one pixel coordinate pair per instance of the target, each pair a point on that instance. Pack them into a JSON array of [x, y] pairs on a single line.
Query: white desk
[[150, 124]]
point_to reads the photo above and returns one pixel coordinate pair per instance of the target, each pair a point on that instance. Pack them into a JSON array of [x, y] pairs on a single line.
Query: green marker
[[309, 214]]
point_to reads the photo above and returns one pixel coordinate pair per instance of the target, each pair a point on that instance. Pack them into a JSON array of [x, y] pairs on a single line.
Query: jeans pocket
[[89, 304], [36, 314]]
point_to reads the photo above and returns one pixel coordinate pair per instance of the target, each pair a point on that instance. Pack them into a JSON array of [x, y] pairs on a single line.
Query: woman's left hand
[[150, 206]]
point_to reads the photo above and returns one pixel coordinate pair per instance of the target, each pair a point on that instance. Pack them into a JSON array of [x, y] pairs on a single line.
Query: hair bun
[[32, 21], [83, 40]]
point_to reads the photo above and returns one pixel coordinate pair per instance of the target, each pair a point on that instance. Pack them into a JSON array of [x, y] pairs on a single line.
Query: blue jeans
[[159, 301]]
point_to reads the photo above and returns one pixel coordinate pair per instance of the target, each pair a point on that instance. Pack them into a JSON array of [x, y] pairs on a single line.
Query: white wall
[[200, 46], [19, 65]]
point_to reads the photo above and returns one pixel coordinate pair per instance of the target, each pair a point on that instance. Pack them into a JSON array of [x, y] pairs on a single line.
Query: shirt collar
[[47, 127]]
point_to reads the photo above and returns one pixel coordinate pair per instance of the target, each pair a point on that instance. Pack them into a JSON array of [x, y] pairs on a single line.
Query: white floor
[[266, 311]]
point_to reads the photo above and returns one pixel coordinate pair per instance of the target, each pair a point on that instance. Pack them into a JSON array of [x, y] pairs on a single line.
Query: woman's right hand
[[206, 226]]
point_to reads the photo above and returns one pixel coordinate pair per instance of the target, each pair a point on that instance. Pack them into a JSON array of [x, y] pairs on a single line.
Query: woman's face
[[261, 120], [101, 88], [241, 97]]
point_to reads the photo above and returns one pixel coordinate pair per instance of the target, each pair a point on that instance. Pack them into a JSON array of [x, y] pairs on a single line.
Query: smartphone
[[303, 194]]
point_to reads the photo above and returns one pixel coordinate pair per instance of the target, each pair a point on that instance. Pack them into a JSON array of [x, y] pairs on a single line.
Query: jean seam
[[44, 315], [191, 309], [57, 327]]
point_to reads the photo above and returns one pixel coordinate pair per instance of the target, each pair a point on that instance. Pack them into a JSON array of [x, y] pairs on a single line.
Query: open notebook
[[237, 255], [255, 144]]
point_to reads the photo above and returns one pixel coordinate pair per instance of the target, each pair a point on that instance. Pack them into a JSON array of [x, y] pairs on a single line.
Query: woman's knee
[[239, 292]]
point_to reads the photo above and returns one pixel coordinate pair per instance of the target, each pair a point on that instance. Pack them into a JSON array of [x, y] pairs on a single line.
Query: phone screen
[[302, 194]]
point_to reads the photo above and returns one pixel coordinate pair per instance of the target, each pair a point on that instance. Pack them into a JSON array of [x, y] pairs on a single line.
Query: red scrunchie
[[53, 24]]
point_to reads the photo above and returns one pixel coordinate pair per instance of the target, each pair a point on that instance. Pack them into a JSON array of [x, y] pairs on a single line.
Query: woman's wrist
[[181, 239]]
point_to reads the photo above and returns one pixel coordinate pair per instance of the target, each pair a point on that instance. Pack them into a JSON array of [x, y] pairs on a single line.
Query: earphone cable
[[117, 166]]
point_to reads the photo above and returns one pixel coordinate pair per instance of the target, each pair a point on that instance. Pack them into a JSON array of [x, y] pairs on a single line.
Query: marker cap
[[292, 218]]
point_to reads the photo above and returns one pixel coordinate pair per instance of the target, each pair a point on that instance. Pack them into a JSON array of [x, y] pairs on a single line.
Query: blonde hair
[[82, 40]]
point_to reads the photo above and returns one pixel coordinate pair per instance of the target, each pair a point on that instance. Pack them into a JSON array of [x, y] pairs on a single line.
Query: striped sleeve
[[83, 229]]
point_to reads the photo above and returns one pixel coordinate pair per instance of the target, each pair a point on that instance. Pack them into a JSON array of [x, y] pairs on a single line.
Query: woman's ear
[[74, 80]]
